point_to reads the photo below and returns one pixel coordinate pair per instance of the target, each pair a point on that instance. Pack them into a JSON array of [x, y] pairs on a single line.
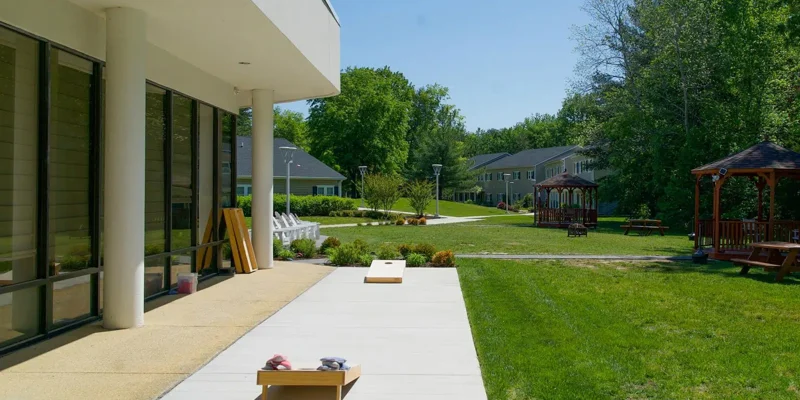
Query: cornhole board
[[385, 271], [307, 377]]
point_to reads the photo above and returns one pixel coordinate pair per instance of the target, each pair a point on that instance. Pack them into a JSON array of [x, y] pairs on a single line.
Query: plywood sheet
[[386, 271]]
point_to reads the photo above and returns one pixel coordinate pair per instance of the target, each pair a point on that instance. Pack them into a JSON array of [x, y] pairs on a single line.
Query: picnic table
[[775, 261], [645, 227]]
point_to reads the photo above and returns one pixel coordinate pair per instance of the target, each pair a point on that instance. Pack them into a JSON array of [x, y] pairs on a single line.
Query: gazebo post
[[772, 185], [760, 183], [697, 212], [584, 213], [717, 212]]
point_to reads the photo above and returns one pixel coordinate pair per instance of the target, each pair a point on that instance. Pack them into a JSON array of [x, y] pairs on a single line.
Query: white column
[[262, 176], [123, 280]]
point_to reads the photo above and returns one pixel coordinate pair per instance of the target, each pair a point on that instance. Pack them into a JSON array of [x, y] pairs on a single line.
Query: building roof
[[765, 155], [530, 157], [566, 180], [304, 165], [483, 159]]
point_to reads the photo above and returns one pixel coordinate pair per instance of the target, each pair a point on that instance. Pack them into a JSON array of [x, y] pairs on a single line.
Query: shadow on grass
[[723, 269]]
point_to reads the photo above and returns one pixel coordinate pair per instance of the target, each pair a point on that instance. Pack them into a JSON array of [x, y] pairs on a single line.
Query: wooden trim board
[[385, 271], [307, 377]]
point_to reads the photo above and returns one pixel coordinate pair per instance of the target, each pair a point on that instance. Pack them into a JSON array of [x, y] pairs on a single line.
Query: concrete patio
[[413, 341]]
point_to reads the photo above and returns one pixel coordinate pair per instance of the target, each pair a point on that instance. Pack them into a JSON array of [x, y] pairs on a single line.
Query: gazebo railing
[[739, 235], [566, 215]]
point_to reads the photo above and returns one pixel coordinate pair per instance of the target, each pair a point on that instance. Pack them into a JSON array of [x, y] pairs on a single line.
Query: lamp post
[[363, 170], [505, 177], [436, 169], [288, 157]]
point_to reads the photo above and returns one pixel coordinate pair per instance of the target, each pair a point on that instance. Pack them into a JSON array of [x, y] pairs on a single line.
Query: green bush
[[444, 258], [329, 243], [400, 221], [382, 191], [426, 250], [286, 254], [364, 214], [365, 260], [246, 204], [151, 249], [420, 194], [361, 246], [387, 252], [227, 254], [74, 262], [277, 246], [313, 205], [404, 249], [304, 248], [346, 254], [415, 260]]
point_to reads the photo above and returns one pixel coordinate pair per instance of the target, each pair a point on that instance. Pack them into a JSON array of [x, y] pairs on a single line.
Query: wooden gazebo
[[765, 163], [556, 216]]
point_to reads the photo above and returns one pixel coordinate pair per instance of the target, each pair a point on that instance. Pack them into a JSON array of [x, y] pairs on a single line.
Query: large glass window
[[182, 189], [155, 200], [18, 159], [226, 159]]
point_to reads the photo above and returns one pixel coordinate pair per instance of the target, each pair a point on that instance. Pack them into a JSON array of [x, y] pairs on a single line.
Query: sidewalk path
[[442, 220], [413, 341]]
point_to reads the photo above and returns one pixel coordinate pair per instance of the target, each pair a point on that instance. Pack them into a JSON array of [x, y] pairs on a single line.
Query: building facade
[[309, 176], [117, 144]]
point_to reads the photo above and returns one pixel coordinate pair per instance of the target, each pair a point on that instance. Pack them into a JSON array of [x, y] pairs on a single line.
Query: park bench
[[577, 230], [645, 227], [775, 261]]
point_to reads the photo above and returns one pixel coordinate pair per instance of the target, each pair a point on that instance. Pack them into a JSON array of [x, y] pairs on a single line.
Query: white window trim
[[248, 189], [322, 190]]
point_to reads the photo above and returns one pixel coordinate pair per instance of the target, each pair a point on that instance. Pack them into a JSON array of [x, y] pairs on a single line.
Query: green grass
[[516, 235], [568, 330], [450, 208]]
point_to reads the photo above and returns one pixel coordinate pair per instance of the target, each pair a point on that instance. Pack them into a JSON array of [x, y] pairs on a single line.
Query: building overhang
[[289, 47]]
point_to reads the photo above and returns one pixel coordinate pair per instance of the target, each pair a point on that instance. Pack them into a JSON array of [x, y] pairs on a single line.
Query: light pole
[[288, 157], [505, 177], [363, 170], [436, 169]]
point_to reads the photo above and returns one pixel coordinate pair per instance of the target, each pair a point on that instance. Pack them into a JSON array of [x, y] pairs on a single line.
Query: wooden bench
[[577, 230], [775, 260], [747, 264], [307, 377]]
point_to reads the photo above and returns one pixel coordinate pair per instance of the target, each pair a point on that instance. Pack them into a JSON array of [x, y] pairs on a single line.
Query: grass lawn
[[570, 330], [450, 208], [516, 235]]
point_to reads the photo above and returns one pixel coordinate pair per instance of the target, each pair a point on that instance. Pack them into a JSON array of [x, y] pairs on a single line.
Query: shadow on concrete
[[306, 392]]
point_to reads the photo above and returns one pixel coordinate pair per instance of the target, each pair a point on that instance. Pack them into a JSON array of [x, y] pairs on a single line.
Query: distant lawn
[[589, 330], [516, 235], [450, 209]]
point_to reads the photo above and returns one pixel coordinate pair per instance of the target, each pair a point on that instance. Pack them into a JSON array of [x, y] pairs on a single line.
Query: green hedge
[[302, 205]]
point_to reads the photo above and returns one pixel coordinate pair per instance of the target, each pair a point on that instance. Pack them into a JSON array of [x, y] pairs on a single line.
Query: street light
[[436, 169], [363, 170], [288, 157], [505, 177]]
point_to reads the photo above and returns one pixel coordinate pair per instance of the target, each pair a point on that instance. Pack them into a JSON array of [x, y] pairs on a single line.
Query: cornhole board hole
[[385, 271], [307, 377]]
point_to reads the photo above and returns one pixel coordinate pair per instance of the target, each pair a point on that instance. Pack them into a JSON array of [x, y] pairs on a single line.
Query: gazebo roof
[[763, 156], [565, 180]]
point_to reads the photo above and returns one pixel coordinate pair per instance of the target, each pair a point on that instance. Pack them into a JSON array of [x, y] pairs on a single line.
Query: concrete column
[[123, 281], [262, 176]]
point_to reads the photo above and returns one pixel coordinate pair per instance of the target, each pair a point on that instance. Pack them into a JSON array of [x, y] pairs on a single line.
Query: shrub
[[74, 262], [346, 254], [422, 221], [304, 248], [643, 211], [313, 205], [415, 260], [246, 204], [501, 205], [468, 201], [364, 214], [444, 258], [150, 249], [387, 252], [420, 194], [425, 249], [382, 191], [361, 246], [285, 254], [412, 221], [404, 250], [400, 221], [277, 246], [329, 243], [365, 260], [359, 224]]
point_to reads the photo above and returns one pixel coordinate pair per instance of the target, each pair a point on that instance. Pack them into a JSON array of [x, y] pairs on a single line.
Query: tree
[[420, 194], [291, 125], [367, 124], [244, 123], [382, 191]]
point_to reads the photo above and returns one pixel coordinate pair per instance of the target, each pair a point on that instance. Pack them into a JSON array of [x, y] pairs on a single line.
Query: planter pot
[[692, 236]]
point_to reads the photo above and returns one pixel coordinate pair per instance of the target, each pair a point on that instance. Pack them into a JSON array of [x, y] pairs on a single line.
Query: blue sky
[[502, 60]]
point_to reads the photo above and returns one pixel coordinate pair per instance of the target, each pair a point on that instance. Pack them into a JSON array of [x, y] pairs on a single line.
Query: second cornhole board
[[385, 271]]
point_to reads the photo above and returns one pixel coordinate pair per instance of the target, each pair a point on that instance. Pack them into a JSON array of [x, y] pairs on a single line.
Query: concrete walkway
[[413, 341], [442, 220], [181, 334]]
